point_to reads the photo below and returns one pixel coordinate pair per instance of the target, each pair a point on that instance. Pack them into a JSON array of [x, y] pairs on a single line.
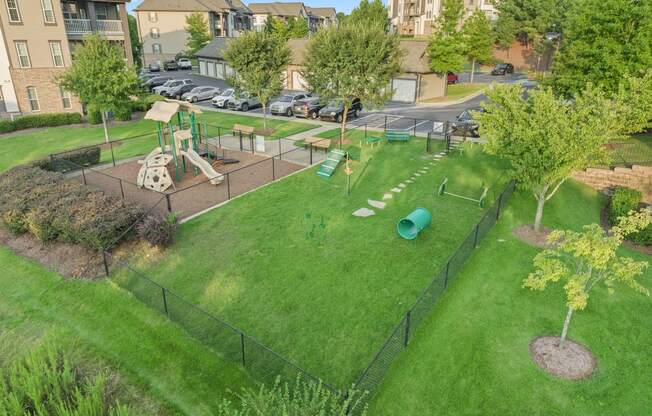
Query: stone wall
[[636, 177]]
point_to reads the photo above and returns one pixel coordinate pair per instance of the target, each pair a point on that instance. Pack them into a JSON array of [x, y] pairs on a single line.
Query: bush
[[40, 120], [122, 113], [145, 103], [93, 115], [622, 202], [158, 230], [87, 156]]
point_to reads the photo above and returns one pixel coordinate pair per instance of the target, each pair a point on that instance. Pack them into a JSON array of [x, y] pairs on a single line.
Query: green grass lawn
[[471, 356], [457, 91], [167, 371], [291, 266], [16, 150]]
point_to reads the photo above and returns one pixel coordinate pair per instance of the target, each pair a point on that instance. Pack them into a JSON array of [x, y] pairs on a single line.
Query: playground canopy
[[163, 111]]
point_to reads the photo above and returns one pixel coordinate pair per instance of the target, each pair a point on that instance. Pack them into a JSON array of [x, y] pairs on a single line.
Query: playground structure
[[410, 226], [327, 168], [184, 146], [480, 201]]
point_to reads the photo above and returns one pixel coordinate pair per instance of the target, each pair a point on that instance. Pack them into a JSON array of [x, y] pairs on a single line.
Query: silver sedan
[[200, 94]]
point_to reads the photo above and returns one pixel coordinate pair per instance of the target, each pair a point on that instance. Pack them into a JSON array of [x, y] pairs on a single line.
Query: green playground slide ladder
[[333, 159]]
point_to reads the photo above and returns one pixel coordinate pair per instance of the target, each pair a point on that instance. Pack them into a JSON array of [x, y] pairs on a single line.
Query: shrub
[[123, 113], [146, 102], [87, 156], [622, 202], [93, 115], [158, 230], [40, 120]]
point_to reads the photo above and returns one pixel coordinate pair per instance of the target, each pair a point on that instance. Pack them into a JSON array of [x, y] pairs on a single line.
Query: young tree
[[446, 48], [546, 138], [100, 77], [269, 24], [136, 46], [281, 29], [603, 41], [198, 32], [258, 60], [478, 39], [581, 260], [298, 28], [370, 13], [352, 62]]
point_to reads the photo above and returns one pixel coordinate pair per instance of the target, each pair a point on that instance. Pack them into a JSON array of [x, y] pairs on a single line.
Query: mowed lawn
[[161, 368], [21, 148], [290, 265], [471, 356]]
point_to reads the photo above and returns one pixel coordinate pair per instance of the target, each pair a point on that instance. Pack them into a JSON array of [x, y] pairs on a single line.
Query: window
[[12, 10], [156, 48], [57, 55], [101, 12], [48, 11], [153, 17], [23, 54], [33, 99], [65, 99], [154, 33]]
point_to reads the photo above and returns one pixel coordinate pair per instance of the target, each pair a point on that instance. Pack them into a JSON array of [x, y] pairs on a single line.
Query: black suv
[[156, 82], [465, 125], [308, 107], [334, 110], [170, 65], [177, 92], [503, 69]]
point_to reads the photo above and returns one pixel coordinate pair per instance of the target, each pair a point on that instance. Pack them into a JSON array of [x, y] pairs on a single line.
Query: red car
[[452, 78]]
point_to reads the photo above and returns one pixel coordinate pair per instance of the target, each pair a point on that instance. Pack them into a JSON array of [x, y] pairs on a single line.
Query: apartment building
[[416, 17], [38, 38], [325, 16], [161, 24]]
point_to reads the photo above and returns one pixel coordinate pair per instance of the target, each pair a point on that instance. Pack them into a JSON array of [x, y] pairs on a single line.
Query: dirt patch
[[527, 234], [573, 361]]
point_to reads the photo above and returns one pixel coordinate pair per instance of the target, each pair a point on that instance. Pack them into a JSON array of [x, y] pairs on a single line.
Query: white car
[[170, 85], [184, 63], [222, 100], [201, 94]]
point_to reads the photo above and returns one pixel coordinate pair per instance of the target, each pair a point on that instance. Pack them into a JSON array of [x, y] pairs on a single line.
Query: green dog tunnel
[[410, 226]]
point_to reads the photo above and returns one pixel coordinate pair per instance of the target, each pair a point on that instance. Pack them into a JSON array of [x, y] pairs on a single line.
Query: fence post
[[106, 263], [169, 203], [122, 189], [273, 170], [385, 122], [500, 202], [415, 128], [52, 163], [475, 238], [165, 302], [242, 348], [407, 328], [280, 152], [83, 175], [113, 155], [219, 138], [240, 136], [228, 186], [310, 154], [251, 142], [448, 265]]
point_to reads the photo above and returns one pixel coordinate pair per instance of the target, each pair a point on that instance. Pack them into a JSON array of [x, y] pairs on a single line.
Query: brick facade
[[522, 57], [636, 177], [47, 90]]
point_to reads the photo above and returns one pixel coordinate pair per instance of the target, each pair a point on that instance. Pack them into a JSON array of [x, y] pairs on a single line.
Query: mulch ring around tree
[[526, 233], [573, 361]]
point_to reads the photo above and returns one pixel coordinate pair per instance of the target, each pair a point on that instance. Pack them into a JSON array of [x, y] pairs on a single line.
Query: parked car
[[465, 124], [184, 63], [154, 67], [243, 102], [170, 65], [283, 106], [156, 82], [453, 78], [178, 91], [171, 84], [309, 107], [223, 98], [201, 94], [334, 110], [503, 69]]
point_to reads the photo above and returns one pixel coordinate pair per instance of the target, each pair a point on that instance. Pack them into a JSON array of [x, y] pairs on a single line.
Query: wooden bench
[[318, 142], [241, 128], [397, 136]]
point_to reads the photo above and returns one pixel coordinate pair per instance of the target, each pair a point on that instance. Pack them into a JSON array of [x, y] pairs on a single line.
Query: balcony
[[85, 26]]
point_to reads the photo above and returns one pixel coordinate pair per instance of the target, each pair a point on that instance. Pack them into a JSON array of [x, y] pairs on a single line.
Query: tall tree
[[100, 77], [478, 39], [198, 32], [136, 46], [581, 260], [604, 40], [352, 62], [546, 138], [259, 61], [269, 24], [370, 13], [504, 32], [531, 19], [446, 49]]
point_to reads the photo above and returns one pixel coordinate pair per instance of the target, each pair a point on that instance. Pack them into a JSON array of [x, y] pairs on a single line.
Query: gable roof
[[191, 5], [277, 8], [322, 11], [215, 48]]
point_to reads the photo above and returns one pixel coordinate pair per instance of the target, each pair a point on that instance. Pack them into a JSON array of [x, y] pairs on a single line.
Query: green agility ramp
[[410, 226], [333, 159]]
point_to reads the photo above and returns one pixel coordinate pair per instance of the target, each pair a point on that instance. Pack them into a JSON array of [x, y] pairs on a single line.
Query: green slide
[[333, 159]]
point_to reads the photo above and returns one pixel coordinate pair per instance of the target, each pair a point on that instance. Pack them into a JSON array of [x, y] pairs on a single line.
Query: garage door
[[405, 90], [202, 67], [219, 71], [211, 69], [298, 82]]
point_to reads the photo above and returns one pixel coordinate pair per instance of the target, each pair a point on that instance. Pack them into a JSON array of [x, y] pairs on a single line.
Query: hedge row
[[623, 201], [43, 204], [40, 120]]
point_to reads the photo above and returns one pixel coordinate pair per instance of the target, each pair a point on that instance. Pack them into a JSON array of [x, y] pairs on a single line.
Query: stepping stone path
[[396, 190], [364, 213], [417, 174], [388, 196], [376, 204], [402, 185], [409, 181]]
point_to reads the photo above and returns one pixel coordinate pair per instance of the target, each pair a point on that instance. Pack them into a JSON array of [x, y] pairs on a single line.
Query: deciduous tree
[[198, 32], [259, 61], [352, 62], [370, 13], [100, 77], [478, 39], [446, 49], [582, 260], [298, 28], [136, 45]]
